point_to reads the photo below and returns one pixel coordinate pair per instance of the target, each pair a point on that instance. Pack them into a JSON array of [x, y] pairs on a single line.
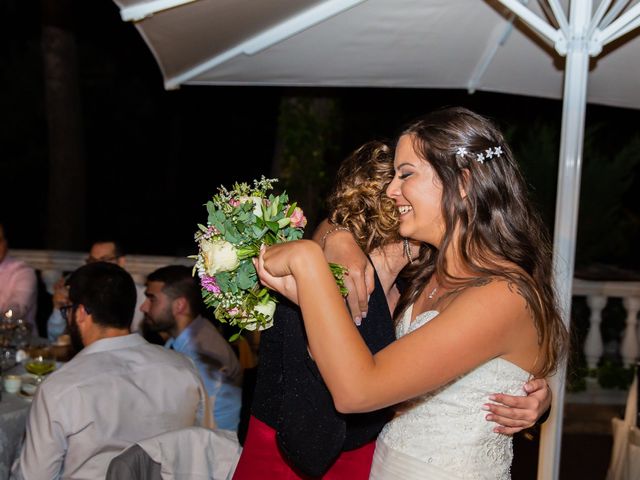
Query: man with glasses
[[101, 251], [118, 390]]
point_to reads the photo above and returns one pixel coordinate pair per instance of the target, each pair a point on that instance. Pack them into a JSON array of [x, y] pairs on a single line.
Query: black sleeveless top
[[291, 397]]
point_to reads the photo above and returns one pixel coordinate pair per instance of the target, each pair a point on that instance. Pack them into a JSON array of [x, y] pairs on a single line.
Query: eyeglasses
[[112, 258], [64, 311]]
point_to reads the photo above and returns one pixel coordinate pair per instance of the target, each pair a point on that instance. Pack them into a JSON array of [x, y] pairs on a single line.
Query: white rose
[[257, 204], [219, 256], [267, 309]]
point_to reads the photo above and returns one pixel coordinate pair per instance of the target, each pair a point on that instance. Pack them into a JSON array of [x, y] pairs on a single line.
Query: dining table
[[14, 408]]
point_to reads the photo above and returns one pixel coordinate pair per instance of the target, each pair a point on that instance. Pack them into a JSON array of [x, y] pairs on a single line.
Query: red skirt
[[261, 459]]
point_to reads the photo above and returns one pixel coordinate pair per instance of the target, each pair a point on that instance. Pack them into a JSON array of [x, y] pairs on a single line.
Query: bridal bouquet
[[241, 220]]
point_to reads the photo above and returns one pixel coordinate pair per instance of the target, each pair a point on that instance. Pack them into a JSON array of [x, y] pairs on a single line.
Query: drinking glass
[[40, 365]]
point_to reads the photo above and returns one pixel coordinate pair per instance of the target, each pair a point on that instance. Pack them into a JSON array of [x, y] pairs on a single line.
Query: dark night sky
[[154, 157]]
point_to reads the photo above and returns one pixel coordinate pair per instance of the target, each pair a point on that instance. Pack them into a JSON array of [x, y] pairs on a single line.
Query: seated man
[[173, 307], [101, 251], [18, 286], [117, 391]]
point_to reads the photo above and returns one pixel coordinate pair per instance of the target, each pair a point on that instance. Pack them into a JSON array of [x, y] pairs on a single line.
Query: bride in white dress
[[479, 314]]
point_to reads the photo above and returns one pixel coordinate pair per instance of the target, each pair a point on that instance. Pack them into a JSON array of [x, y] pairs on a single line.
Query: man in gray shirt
[[117, 391]]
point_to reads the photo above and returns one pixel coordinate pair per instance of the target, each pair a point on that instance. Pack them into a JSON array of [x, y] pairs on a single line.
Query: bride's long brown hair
[[494, 222]]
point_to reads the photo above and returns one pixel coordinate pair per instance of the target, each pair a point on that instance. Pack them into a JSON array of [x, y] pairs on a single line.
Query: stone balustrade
[[52, 264], [598, 294]]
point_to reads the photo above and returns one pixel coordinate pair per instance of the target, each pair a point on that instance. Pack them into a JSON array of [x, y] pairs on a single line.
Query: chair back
[[193, 453]]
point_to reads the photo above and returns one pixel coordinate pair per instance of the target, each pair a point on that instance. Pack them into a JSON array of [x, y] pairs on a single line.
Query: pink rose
[[233, 311], [234, 202], [210, 284], [298, 220]]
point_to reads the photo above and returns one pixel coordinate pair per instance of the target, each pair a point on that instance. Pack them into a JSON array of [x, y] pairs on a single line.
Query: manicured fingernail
[[489, 417], [485, 407], [496, 430], [492, 398], [364, 314], [357, 321]]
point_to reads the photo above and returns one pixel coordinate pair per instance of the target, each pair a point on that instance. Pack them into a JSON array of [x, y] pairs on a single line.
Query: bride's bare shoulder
[[493, 296]]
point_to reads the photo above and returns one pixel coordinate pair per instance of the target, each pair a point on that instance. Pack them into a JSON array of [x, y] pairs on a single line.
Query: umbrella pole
[[566, 220]]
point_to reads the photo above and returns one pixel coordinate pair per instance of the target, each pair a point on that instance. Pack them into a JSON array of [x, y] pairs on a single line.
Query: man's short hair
[[107, 292], [118, 249], [179, 282]]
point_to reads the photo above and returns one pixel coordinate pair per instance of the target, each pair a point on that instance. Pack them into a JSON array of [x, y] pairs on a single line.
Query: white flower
[[218, 256], [267, 309], [257, 204]]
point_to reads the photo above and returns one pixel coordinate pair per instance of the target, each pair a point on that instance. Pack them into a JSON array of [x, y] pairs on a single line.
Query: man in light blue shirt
[[173, 305]]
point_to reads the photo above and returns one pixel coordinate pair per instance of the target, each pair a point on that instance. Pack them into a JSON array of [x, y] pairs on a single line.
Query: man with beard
[[118, 390], [173, 308]]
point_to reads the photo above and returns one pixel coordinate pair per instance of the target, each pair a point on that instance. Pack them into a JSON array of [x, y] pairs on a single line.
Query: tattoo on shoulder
[[481, 282], [517, 289], [512, 285]]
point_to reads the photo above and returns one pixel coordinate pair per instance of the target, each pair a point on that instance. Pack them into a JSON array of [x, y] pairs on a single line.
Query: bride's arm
[[340, 247], [470, 332]]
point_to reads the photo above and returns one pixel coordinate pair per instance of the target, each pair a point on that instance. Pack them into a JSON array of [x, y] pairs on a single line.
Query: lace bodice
[[446, 428]]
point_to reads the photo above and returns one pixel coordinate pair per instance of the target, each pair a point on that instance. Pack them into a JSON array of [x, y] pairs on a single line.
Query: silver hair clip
[[488, 154]]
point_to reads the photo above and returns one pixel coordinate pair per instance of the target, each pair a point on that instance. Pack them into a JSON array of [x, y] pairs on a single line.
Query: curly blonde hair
[[359, 201]]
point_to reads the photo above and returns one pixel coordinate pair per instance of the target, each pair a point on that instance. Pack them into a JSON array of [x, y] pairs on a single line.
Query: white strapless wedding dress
[[443, 435]]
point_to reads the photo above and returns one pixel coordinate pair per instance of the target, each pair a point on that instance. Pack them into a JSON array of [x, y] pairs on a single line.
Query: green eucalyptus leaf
[[273, 226]]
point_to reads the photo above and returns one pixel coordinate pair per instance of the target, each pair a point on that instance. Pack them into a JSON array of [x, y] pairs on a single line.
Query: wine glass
[[7, 327], [40, 365]]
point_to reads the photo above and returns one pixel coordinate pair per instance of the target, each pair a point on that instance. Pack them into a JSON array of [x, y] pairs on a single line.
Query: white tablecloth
[[13, 420]]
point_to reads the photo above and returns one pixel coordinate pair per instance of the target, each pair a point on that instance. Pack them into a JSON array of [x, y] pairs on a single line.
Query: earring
[[407, 250]]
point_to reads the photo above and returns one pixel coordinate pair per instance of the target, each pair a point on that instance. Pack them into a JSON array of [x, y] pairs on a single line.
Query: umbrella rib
[[489, 53], [597, 18], [269, 37], [618, 7], [561, 18], [147, 9], [538, 25], [624, 24]]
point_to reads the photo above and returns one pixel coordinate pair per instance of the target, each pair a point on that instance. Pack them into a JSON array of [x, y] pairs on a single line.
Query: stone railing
[[52, 264], [597, 294]]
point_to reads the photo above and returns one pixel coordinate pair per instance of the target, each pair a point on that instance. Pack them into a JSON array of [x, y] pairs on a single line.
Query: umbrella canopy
[[382, 43], [493, 45]]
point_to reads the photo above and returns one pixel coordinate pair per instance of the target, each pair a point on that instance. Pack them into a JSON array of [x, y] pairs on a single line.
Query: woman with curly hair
[[295, 430], [478, 316]]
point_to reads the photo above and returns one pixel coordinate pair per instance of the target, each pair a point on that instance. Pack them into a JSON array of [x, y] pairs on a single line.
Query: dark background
[[153, 157]]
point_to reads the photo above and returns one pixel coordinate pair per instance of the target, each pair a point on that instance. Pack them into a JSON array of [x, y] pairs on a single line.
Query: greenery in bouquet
[[239, 222]]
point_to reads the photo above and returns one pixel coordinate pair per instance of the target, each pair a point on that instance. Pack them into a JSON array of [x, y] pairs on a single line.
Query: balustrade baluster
[[629, 345], [593, 346]]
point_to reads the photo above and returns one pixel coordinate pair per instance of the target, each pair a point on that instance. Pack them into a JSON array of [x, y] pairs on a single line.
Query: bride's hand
[[276, 264]]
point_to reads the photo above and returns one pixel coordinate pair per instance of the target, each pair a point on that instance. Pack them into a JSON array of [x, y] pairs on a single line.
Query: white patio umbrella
[[491, 45]]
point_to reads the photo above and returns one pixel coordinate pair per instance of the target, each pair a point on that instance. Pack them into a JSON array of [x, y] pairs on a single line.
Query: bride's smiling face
[[417, 191]]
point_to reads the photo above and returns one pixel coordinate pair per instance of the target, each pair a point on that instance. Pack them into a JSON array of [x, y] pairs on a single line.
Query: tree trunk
[[67, 175]]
